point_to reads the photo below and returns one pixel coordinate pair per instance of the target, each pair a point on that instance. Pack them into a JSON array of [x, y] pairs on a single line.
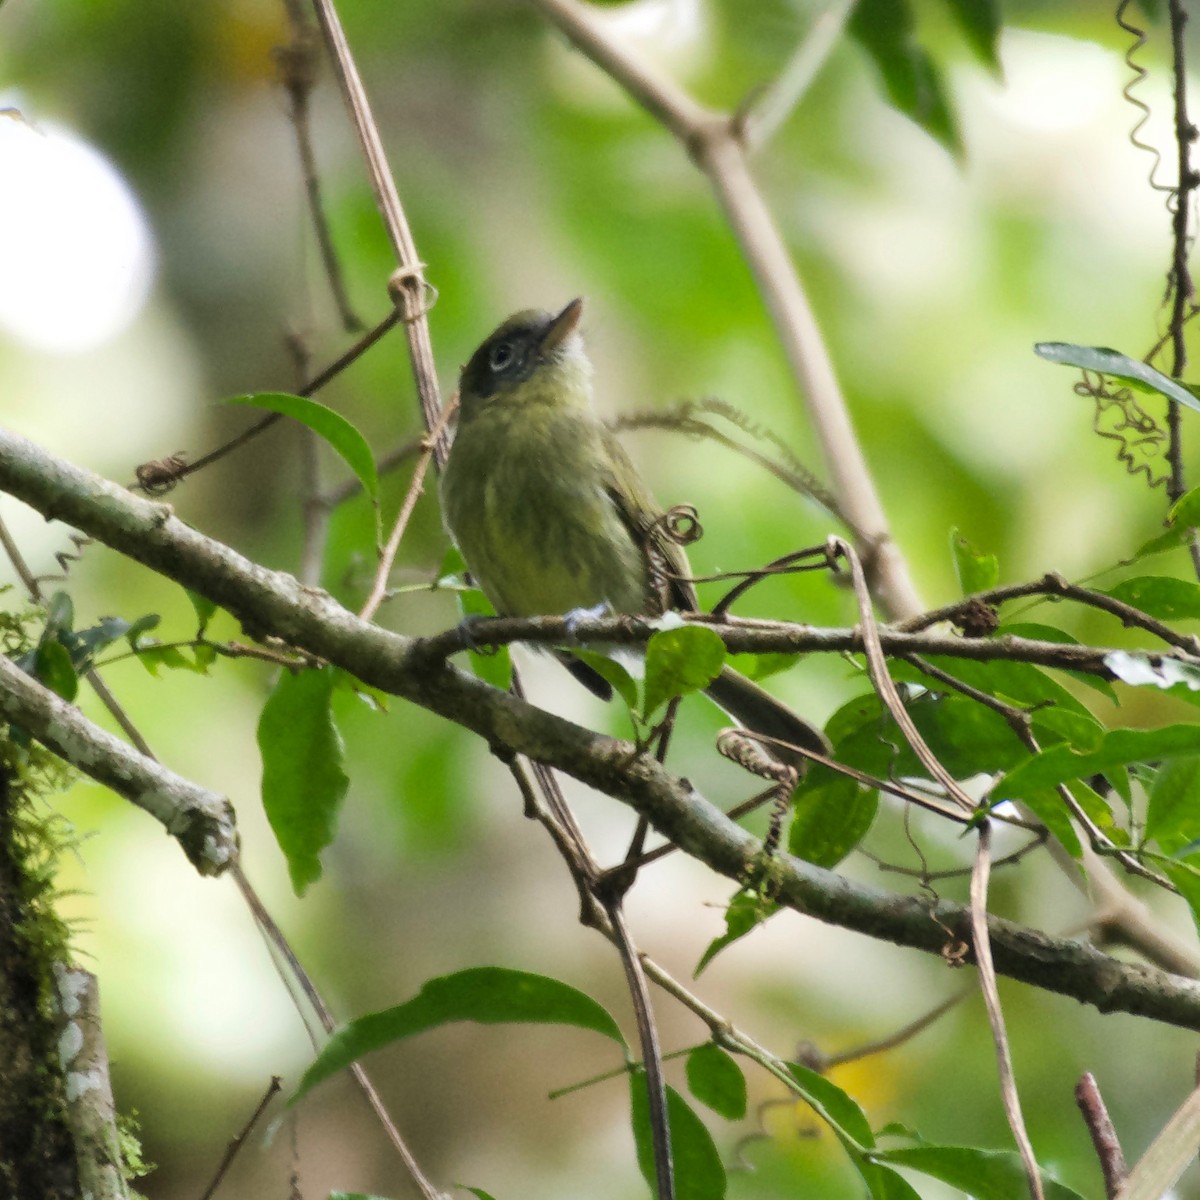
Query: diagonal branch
[[276, 603], [201, 821]]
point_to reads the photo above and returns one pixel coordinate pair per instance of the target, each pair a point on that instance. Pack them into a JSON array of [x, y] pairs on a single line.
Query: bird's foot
[[464, 632]]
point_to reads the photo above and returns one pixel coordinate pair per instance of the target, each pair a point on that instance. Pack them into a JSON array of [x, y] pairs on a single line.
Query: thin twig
[[656, 1086], [776, 103], [1102, 1132], [1181, 289], [827, 1062], [982, 944], [415, 488], [410, 290], [239, 1139], [885, 688], [1054, 587], [298, 63], [316, 515], [183, 469], [387, 463]]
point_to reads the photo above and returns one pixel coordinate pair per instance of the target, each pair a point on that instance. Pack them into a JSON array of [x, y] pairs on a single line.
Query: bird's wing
[[669, 573]]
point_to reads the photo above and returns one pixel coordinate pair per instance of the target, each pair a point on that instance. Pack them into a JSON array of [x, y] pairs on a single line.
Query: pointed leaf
[[303, 781], [1120, 366], [1173, 807], [977, 572], [830, 818], [678, 662], [485, 995], [52, 666], [715, 1079], [834, 1106], [204, 608], [1160, 596], [699, 1172], [1060, 764], [745, 911], [762, 666], [984, 1174], [330, 425], [886, 31], [612, 673], [980, 23]]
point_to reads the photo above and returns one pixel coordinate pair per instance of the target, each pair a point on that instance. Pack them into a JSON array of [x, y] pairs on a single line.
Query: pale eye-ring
[[501, 356]]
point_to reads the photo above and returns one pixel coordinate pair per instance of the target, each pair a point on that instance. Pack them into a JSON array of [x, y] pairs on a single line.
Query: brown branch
[[1102, 1132], [312, 621], [981, 942], [1054, 586], [409, 289], [298, 62]]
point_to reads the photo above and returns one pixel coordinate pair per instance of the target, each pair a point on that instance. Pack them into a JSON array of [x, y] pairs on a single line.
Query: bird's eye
[[501, 356]]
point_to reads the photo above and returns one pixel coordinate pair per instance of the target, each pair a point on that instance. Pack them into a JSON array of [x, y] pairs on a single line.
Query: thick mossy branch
[[37, 1154], [269, 602]]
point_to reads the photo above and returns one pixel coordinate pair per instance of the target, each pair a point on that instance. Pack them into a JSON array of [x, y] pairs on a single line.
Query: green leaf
[[762, 666], [1160, 596], [1120, 747], [1018, 682], [52, 666], [746, 910], [479, 1193], [699, 1172], [1119, 366], [152, 657], [830, 817], [60, 614], [834, 1106], [1048, 807], [205, 609], [886, 1184], [977, 572], [715, 1079], [1097, 808], [1185, 875], [984, 1174], [303, 780], [980, 23], [1035, 632], [330, 425], [485, 995], [1051, 725], [885, 30], [678, 662], [142, 625], [1185, 511], [613, 673], [1173, 806], [357, 1196]]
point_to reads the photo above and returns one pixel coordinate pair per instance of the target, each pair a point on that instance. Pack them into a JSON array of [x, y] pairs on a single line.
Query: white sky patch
[[672, 35], [76, 255], [1055, 84]]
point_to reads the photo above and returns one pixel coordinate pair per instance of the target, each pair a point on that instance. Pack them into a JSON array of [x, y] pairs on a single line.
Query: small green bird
[[552, 517]]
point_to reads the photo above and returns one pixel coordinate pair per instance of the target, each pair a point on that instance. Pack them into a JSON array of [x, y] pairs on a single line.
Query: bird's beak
[[561, 327]]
